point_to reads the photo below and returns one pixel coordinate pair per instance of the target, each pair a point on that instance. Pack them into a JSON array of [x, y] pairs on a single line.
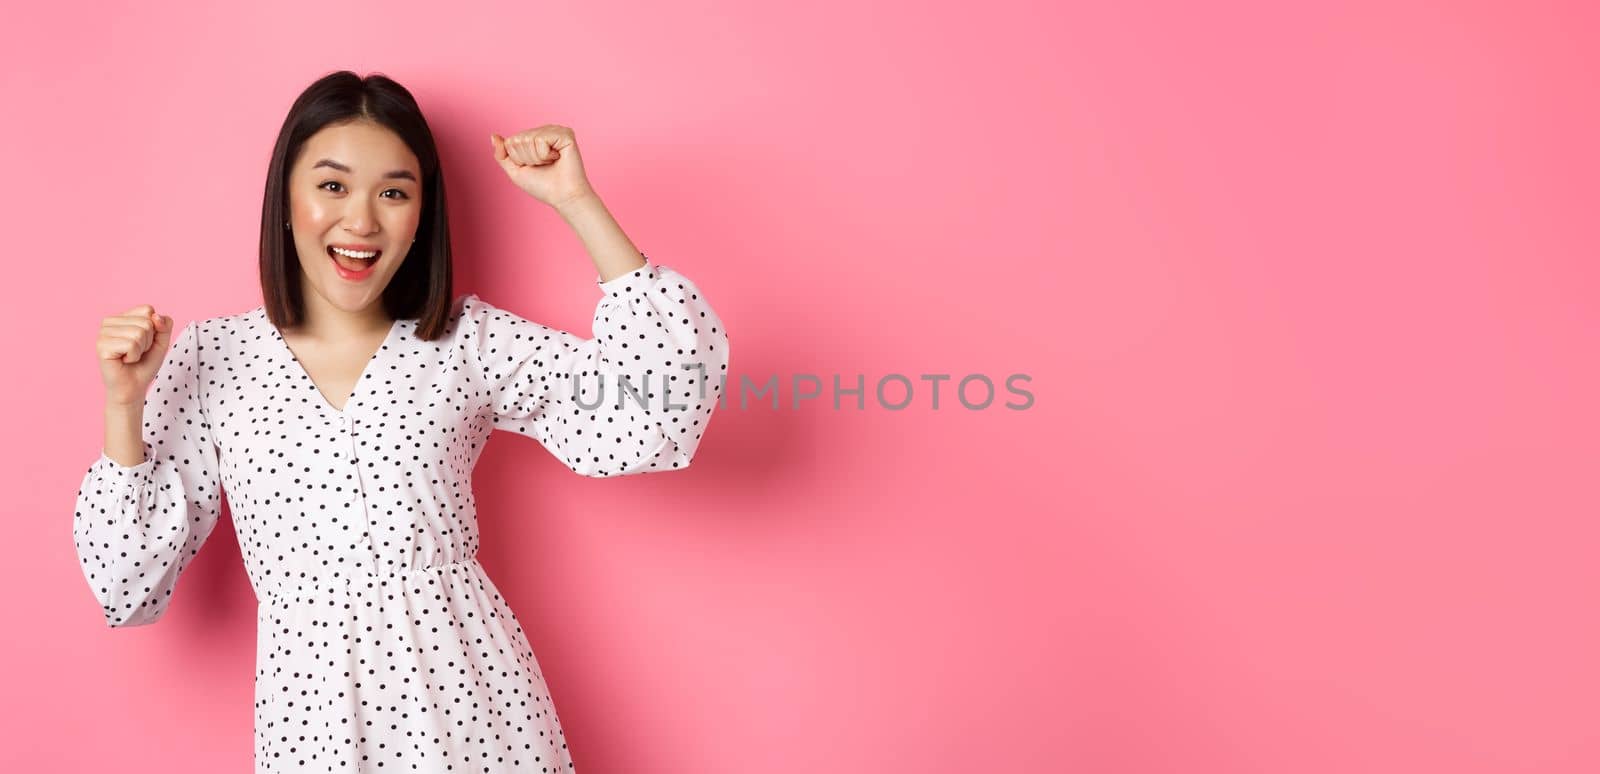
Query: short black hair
[[421, 289]]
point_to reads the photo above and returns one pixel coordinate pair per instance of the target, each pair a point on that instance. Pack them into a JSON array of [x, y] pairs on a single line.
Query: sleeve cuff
[[123, 474], [638, 279]]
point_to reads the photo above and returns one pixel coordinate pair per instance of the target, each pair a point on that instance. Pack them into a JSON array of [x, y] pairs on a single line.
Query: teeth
[[351, 264], [355, 254]]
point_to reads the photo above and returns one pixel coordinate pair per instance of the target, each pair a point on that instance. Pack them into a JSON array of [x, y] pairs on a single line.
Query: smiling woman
[[343, 418], [353, 219]]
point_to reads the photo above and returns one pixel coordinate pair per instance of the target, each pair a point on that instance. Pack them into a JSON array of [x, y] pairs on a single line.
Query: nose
[[359, 218]]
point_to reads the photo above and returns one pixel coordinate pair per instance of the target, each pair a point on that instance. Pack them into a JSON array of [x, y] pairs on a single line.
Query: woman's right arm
[[131, 347], [152, 498], [123, 442]]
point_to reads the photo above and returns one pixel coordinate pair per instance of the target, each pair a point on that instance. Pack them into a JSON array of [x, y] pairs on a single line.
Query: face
[[356, 187]]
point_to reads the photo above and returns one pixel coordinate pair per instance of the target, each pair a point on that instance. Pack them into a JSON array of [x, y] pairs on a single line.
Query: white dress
[[381, 643]]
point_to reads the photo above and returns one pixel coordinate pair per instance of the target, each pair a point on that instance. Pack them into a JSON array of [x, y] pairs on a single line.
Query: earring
[[286, 224]]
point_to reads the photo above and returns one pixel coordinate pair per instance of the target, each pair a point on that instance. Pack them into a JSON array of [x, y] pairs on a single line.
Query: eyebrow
[[401, 174]]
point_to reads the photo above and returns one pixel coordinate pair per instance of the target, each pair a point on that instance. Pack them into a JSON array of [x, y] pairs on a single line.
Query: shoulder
[[471, 310], [466, 310], [222, 336], [225, 327], [228, 321], [470, 303], [473, 319]]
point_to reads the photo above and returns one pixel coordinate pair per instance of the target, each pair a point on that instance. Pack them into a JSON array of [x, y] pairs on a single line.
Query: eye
[[398, 191], [324, 185]]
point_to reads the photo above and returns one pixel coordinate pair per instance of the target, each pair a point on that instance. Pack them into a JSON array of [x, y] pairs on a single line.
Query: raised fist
[[131, 347]]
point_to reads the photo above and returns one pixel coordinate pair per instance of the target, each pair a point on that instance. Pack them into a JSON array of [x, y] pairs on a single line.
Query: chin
[[350, 297]]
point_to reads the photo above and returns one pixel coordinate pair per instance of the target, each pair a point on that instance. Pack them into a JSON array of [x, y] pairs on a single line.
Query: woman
[[343, 418]]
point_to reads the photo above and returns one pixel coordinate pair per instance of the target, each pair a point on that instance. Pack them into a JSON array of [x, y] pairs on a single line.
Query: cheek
[[309, 215], [403, 220], [310, 222]]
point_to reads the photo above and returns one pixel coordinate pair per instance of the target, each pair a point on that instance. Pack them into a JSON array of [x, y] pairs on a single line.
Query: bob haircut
[[421, 288]]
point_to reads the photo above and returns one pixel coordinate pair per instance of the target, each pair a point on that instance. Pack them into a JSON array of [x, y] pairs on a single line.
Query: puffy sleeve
[[636, 398], [136, 528]]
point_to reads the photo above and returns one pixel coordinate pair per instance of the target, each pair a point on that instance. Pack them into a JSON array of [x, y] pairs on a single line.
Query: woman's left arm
[[545, 163], [636, 397]]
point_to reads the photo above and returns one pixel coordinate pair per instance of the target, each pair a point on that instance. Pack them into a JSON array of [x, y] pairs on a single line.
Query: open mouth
[[353, 264]]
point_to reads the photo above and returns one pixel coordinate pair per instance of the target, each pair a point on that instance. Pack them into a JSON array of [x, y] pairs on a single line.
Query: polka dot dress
[[381, 643]]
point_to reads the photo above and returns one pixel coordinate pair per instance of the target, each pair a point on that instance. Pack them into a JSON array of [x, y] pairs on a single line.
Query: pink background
[[1309, 481]]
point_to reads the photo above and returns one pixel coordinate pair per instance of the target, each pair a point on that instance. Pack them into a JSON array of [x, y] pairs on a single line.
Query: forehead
[[365, 147]]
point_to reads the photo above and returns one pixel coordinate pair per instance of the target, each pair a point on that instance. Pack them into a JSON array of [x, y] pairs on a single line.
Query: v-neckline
[[322, 397]]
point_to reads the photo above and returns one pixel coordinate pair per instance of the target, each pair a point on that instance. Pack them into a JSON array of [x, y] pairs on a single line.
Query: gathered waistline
[[340, 580]]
